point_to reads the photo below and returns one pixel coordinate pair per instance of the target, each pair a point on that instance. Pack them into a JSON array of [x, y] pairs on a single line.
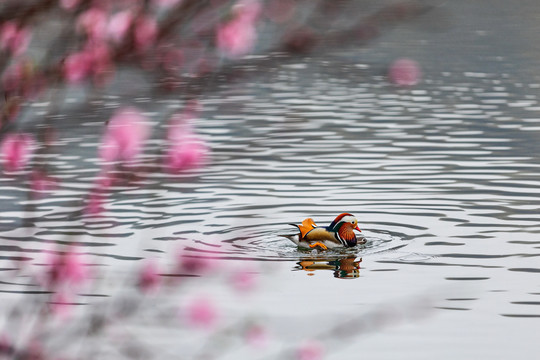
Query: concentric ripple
[[447, 174]]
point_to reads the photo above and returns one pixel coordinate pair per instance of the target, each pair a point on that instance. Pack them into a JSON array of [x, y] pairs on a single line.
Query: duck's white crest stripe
[[343, 242]]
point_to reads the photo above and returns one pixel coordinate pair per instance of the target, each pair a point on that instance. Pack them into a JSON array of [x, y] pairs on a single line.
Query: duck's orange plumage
[[306, 226]]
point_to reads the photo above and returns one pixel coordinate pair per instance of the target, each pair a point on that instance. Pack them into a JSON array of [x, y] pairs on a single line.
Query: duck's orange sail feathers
[[306, 226]]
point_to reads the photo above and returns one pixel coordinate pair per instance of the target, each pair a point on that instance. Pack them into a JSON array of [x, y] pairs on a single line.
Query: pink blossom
[[69, 4], [196, 264], [188, 154], [125, 135], [310, 350], [61, 304], [237, 37], [95, 203], [14, 38], [186, 150], [244, 279], [146, 30], [248, 10], [93, 60], [78, 66], [202, 313], [66, 268], [16, 151], [119, 25], [149, 278], [93, 22], [101, 61], [404, 72]]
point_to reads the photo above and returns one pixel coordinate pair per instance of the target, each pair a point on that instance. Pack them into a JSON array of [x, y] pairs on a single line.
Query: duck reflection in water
[[344, 268]]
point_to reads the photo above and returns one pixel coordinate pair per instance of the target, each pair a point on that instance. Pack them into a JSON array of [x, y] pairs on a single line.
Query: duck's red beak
[[357, 228]]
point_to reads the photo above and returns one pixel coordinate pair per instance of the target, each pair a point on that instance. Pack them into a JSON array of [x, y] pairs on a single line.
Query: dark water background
[[443, 177]]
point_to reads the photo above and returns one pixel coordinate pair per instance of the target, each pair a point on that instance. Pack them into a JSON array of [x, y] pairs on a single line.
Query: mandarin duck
[[340, 233]]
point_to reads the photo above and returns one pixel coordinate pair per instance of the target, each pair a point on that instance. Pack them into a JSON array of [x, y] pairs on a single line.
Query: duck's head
[[345, 218]]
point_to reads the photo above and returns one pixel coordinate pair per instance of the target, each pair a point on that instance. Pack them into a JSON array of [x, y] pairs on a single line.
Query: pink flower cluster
[[16, 150], [123, 142], [202, 313], [237, 37], [94, 61], [144, 29], [66, 273], [186, 150], [149, 278], [310, 350], [124, 136], [65, 268], [105, 29], [404, 72], [14, 38]]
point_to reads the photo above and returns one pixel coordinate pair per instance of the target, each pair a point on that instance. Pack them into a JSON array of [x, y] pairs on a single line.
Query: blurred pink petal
[[146, 30], [125, 135], [196, 264], [61, 304], [14, 38], [16, 151], [95, 203], [93, 22], [236, 38], [66, 268], [101, 57], [119, 25], [404, 72], [69, 4], [78, 66], [310, 350], [248, 10], [244, 279], [202, 313], [188, 154], [94, 60], [149, 278], [186, 150]]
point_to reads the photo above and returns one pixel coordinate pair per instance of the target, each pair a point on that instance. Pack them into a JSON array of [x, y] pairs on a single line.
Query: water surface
[[443, 177]]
